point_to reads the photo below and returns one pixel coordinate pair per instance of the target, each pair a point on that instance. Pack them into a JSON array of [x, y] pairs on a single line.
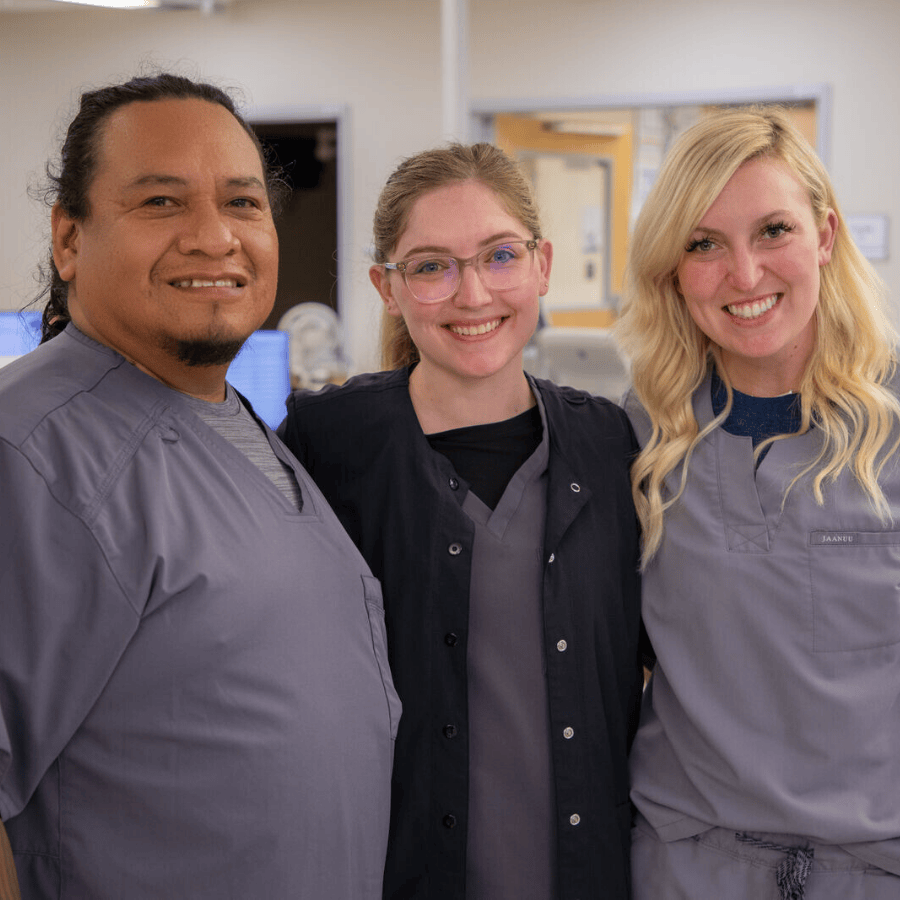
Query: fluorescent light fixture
[[116, 4]]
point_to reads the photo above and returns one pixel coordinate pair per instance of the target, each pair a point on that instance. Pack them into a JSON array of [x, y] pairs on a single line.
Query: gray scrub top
[[775, 703], [511, 841], [194, 689]]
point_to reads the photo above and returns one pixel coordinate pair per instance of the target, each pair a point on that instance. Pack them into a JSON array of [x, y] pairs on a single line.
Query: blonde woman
[[765, 400]]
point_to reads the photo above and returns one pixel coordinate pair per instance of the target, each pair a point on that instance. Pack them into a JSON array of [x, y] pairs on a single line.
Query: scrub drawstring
[[792, 871]]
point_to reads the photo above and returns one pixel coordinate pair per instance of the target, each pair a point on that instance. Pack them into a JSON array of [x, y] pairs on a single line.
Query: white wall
[[586, 48], [381, 59]]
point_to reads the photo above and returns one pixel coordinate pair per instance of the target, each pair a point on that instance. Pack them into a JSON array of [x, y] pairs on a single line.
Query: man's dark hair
[[70, 182]]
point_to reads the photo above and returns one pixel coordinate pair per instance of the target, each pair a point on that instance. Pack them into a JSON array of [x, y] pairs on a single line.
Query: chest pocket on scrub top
[[855, 592]]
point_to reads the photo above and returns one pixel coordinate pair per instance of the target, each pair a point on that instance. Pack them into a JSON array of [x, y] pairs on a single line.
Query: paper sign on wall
[[870, 234]]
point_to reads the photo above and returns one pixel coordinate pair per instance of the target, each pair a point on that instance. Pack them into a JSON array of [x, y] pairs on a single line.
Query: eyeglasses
[[431, 279]]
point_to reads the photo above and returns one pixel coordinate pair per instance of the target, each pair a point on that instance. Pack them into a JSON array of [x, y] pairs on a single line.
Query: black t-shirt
[[487, 456]]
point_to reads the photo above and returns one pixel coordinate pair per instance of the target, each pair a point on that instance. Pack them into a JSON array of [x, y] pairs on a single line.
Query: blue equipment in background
[[260, 371]]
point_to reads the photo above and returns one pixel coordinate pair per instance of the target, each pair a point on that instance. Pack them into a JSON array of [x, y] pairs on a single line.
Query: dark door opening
[[308, 224]]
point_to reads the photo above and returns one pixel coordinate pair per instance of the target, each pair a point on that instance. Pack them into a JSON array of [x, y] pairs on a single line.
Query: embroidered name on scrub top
[[833, 537], [847, 538]]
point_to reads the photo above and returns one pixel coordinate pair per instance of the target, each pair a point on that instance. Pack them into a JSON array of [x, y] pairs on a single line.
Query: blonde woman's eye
[[776, 229], [704, 245]]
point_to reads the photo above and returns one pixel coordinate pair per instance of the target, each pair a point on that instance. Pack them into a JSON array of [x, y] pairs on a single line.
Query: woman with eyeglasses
[[496, 510]]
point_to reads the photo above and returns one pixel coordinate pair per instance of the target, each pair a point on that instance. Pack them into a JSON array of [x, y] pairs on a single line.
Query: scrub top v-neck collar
[[751, 508], [497, 520]]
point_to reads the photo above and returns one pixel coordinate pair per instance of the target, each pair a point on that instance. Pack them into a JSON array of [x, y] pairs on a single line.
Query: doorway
[[573, 192], [308, 267]]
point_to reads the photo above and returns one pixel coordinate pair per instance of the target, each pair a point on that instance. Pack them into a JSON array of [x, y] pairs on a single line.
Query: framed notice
[[870, 234]]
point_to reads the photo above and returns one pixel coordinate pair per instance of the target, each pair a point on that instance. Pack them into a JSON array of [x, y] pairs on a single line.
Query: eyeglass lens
[[434, 278]]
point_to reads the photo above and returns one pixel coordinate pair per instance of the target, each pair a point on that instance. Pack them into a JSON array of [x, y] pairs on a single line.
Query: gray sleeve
[[65, 623], [637, 415]]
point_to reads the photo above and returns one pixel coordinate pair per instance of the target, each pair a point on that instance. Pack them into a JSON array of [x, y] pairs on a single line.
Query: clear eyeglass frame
[[454, 282]]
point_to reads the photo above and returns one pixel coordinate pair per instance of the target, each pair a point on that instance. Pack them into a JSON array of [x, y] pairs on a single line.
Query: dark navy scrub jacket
[[401, 503]]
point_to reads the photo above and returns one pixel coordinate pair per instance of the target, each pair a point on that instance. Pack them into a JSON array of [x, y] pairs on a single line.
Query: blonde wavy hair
[[427, 171], [844, 390]]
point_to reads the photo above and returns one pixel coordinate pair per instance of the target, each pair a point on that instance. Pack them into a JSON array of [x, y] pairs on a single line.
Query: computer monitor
[[260, 371], [20, 332]]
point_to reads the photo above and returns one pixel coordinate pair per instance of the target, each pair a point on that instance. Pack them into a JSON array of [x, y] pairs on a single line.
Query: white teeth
[[753, 310], [204, 282], [484, 328]]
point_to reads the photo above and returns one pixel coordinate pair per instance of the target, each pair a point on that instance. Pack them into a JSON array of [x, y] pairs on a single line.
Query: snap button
[[450, 731], [574, 819], [454, 484], [561, 646], [576, 488], [568, 733], [451, 639], [450, 821], [552, 557], [454, 549]]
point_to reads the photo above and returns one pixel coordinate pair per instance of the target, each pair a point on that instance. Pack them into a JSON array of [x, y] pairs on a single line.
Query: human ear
[[380, 277], [827, 233], [66, 241], [545, 259]]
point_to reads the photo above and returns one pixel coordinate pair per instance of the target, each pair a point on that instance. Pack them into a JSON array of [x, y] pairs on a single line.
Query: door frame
[[340, 115], [607, 297]]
